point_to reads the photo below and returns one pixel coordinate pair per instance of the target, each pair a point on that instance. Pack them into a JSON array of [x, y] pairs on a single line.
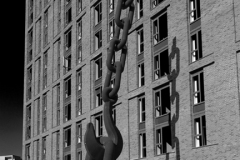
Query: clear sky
[[11, 76]]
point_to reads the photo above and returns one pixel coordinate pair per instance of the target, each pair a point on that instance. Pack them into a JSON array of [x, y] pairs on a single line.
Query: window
[[79, 39], [45, 28], [29, 83], [98, 40], [27, 152], [79, 106], [139, 9], [140, 41], [200, 136], [39, 75], [98, 68], [79, 30], [79, 53], [58, 105], [44, 148], [142, 111], [67, 112], [38, 150], [98, 13], [44, 113], [160, 28], [79, 133], [30, 42], [45, 68], [163, 140], [99, 125], [40, 6], [156, 3], [67, 88], [142, 145], [194, 10], [28, 122], [79, 80], [79, 6], [38, 116], [198, 88], [141, 75], [162, 101], [98, 93], [111, 6], [111, 29], [39, 35], [79, 155], [58, 146], [59, 15], [68, 13], [67, 137], [30, 17], [67, 63], [161, 65], [196, 46], [58, 60], [67, 157], [68, 40]]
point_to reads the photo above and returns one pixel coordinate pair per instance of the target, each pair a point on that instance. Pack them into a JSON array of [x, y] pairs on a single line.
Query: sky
[[12, 76]]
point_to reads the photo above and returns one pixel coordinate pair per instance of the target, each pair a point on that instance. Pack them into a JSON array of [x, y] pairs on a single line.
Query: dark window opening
[[160, 28], [162, 102], [67, 137], [98, 40], [163, 140], [200, 136]]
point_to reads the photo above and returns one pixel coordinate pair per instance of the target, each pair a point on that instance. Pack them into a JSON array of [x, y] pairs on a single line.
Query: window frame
[[198, 46], [141, 111], [27, 151], [99, 128], [98, 68], [158, 102], [111, 29], [45, 28], [44, 150], [201, 90], [67, 137], [68, 40], [67, 88], [45, 69], [79, 133], [110, 6], [67, 112], [203, 130], [98, 97], [140, 41], [157, 68], [68, 12], [79, 6], [157, 31], [142, 148], [139, 4], [196, 10], [98, 13], [141, 74], [98, 39]]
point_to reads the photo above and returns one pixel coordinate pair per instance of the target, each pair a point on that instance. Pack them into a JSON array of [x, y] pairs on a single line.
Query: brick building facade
[[179, 96]]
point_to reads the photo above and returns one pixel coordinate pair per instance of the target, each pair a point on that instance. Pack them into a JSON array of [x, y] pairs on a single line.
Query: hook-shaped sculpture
[[109, 148]]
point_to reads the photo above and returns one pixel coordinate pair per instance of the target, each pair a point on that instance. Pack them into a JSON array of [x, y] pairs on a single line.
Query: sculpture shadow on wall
[[172, 77]]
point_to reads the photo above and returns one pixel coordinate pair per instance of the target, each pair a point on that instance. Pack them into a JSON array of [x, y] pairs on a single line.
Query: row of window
[[66, 145]]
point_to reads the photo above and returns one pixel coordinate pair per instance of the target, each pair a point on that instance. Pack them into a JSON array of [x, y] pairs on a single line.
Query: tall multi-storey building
[[179, 95]]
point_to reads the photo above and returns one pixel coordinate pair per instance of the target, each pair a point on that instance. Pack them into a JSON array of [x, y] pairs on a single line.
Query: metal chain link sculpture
[[109, 148]]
